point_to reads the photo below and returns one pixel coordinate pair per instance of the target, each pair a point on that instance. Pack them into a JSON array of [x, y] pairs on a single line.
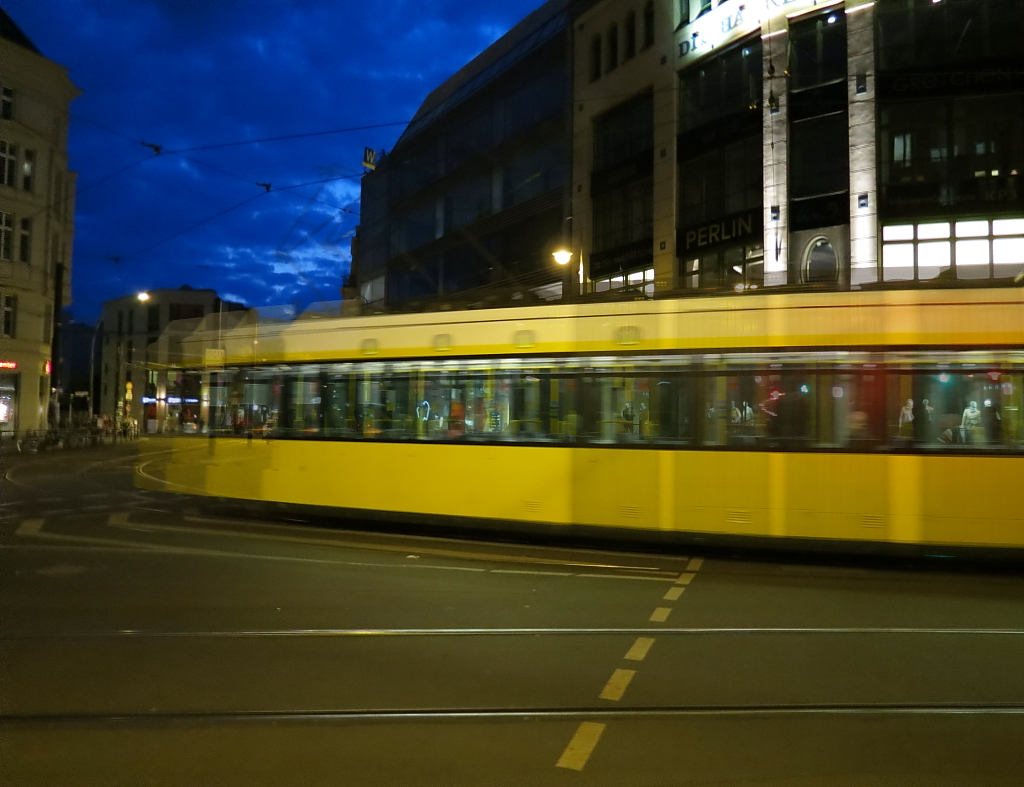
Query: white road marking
[[695, 564]]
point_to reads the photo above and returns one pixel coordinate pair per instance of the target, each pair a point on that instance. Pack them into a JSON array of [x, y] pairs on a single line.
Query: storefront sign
[[738, 227], [991, 79], [729, 22], [8, 364], [827, 211], [625, 258]]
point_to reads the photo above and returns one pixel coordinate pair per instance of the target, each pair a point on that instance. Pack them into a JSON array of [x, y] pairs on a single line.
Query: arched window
[[630, 35], [595, 58], [649, 24], [822, 264], [613, 47]]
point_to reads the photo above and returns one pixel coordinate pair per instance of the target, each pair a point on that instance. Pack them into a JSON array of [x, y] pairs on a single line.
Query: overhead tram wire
[[225, 211]]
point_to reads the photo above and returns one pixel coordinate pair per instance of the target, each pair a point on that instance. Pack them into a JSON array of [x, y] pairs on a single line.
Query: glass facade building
[[471, 202]]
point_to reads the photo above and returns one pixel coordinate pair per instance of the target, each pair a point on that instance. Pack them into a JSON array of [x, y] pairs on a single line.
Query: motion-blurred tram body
[[875, 420]]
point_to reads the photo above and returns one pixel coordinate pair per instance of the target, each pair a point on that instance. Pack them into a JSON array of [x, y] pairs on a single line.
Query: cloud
[[184, 74]]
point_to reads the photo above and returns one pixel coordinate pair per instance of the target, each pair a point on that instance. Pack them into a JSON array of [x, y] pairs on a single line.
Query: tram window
[[958, 409], [788, 408], [302, 401], [746, 421], [220, 392], [259, 406], [851, 409], [339, 405], [375, 405]]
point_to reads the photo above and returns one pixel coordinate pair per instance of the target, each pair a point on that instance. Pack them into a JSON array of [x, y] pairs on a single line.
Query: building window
[[533, 172], [8, 163], [819, 157], [613, 47], [822, 263], [153, 318], [737, 267], [648, 25], [817, 51], [952, 154], [684, 13], [723, 94], [25, 241], [624, 132], [595, 58], [705, 7], [629, 52], [624, 215], [131, 323], [6, 103], [6, 236], [939, 34], [468, 202], [28, 170], [953, 250], [642, 280], [9, 316]]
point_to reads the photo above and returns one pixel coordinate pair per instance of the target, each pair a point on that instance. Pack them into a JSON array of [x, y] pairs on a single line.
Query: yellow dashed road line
[[639, 649], [581, 746], [585, 740], [616, 685]]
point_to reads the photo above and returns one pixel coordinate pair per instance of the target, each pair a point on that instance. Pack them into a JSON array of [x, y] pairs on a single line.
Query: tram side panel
[[969, 500]]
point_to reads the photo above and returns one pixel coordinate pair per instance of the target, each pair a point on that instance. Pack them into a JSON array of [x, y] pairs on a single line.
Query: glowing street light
[[143, 296], [562, 256]]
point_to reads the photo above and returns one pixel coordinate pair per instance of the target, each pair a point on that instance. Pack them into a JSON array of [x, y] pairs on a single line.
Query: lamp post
[[92, 370]]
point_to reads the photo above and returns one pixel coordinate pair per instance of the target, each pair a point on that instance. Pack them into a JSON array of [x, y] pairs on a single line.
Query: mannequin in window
[[734, 413], [906, 415], [970, 423]]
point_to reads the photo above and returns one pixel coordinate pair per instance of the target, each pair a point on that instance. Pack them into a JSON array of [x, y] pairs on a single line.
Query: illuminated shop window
[[637, 280], [953, 250]]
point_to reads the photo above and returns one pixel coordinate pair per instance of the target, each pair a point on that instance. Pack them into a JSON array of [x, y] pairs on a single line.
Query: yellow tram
[[860, 420]]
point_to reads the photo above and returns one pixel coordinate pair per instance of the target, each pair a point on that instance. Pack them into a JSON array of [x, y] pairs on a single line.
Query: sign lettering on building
[[729, 22], [699, 238]]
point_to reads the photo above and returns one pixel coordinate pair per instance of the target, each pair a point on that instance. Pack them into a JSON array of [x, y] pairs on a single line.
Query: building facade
[[473, 199], [127, 382], [745, 147], [36, 226], [708, 146]]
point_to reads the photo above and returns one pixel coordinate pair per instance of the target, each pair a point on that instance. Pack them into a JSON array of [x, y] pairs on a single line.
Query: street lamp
[[562, 256], [143, 296]]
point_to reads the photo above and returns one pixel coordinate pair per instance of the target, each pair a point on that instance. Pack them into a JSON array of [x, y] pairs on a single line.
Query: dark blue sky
[[191, 73]]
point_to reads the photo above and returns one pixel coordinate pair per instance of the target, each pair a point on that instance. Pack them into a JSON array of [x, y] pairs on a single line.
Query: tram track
[[503, 632], [537, 713]]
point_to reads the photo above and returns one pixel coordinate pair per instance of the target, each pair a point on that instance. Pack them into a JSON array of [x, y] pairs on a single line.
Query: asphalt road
[[147, 641]]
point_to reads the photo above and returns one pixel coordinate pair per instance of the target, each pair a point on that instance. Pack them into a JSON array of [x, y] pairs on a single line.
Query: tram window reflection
[[339, 405], [851, 409], [960, 409]]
